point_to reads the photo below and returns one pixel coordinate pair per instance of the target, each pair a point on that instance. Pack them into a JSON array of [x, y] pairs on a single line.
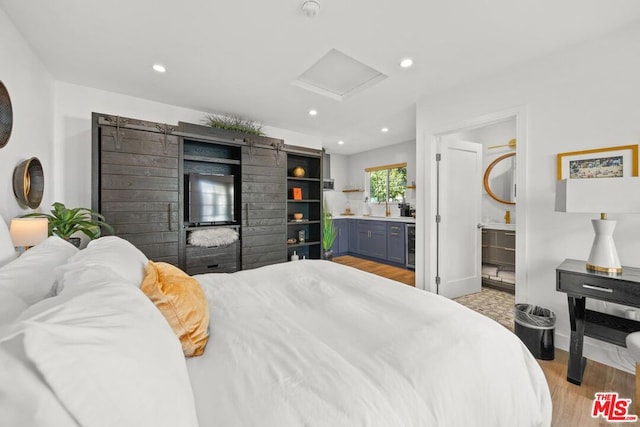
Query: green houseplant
[[64, 222], [329, 234]]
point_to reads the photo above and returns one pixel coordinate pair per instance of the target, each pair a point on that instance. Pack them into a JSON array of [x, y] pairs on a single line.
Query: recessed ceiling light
[[159, 68], [340, 142], [313, 112], [384, 130], [406, 63]]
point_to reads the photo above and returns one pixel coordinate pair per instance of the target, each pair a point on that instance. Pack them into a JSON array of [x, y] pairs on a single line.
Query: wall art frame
[[608, 162]]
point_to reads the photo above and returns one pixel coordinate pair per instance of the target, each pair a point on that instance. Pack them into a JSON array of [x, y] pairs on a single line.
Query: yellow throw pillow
[[181, 300]]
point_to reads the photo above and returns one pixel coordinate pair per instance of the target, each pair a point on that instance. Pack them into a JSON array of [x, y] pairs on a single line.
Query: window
[[387, 183]]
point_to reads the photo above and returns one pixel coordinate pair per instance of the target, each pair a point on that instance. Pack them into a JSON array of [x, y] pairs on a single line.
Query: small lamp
[[29, 232], [604, 195]]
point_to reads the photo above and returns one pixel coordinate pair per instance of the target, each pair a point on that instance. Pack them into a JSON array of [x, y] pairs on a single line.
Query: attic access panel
[[338, 76]]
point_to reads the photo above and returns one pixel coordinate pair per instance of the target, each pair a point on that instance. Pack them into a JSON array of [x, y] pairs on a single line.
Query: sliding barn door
[[136, 183], [264, 207]]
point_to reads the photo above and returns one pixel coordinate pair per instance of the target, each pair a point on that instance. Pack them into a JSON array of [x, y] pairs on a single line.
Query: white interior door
[[460, 209]]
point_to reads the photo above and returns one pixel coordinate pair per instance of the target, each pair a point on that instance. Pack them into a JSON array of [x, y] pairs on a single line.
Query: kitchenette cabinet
[[341, 243], [396, 242], [372, 238], [380, 240]]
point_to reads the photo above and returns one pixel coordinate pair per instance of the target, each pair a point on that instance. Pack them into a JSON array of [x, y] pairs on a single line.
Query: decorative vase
[[75, 241], [328, 255], [298, 172]]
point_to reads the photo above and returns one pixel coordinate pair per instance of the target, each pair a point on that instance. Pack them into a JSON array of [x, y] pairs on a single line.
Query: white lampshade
[[29, 231], [600, 195], [596, 195]]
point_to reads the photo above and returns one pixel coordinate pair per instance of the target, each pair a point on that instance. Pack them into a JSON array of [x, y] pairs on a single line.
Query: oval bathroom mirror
[[500, 179], [6, 116]]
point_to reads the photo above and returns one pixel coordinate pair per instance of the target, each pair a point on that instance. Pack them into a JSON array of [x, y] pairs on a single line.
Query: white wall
[[73, 107], [355, 176], [583, 98], [30, 87], [492, 135]]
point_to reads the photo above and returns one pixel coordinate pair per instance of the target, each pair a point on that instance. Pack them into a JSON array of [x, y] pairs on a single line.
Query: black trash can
[[535, 326]]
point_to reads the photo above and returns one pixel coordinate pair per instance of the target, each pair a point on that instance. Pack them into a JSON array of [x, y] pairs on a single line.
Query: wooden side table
[[573, 278]]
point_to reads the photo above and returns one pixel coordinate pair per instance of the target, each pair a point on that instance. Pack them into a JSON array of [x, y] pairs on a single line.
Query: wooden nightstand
[[573, 278]]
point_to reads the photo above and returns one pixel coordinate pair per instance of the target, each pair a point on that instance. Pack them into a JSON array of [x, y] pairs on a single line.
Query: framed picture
[[610, 162]]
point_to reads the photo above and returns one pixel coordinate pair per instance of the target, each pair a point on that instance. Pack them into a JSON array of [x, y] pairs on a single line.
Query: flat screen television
[[210, 198]]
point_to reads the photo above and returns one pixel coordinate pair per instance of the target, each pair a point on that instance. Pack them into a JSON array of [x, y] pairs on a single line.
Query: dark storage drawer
[[617, 291], [506, 239], [222, 259]]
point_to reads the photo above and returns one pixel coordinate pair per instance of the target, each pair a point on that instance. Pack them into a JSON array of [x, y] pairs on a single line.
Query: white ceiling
[[240, 56]]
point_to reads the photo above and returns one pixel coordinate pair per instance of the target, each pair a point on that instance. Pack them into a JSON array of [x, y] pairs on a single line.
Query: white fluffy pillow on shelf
[[212, 237]]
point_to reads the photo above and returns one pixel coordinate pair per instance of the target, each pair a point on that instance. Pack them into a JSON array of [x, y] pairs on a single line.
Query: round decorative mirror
[[6, 116], [28, 183], [499, 179]]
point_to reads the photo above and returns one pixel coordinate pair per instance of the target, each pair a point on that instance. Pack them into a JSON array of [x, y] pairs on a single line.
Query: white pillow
[[109, 356], [116, 257], [31, 276], [7, 250]]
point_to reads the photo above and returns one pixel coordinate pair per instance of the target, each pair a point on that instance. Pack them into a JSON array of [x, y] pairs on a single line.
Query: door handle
[[479, 225], [169, 215]]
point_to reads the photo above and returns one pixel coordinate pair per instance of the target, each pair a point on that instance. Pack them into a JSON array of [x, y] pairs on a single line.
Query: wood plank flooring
[[408, 277], [571, 403]]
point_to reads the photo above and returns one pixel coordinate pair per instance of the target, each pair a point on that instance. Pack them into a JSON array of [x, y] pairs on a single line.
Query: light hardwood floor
[[408, 277], [571, 403]]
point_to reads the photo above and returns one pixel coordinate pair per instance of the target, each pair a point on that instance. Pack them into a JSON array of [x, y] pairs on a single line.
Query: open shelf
[[309, 188], [211, 159], [293, 178]]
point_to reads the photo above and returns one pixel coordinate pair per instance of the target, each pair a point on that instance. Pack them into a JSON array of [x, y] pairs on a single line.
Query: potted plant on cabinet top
[[329, 234], [64, 222]]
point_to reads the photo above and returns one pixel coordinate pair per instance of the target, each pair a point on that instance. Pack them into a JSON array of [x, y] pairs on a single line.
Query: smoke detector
[[311, 8]]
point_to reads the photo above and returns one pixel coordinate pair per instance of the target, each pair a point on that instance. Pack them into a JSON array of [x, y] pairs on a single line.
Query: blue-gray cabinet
[[341, 244], [353, 236], [379, 240], [396, 242], [372, 238]]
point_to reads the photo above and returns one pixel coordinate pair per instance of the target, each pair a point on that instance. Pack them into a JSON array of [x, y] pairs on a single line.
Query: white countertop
[[406, 219], [499, 226]]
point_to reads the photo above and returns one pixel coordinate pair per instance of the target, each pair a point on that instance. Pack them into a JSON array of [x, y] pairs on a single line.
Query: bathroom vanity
[[499, 256]]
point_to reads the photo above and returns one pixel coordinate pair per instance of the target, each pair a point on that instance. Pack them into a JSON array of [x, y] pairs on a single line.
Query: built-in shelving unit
[[309, 204], [210, 158]]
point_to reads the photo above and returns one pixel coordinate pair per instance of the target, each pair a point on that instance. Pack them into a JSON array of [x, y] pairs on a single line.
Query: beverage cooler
[[411, 246]]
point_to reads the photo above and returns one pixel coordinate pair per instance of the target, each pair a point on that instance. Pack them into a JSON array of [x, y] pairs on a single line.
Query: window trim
[[391, 166], [379, 168]]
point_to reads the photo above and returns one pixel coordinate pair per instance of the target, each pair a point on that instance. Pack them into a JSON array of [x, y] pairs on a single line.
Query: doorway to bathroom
[[492, 236]]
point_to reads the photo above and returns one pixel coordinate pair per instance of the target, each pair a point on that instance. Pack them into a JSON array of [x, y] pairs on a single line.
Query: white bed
[[318, 343], [309, 343]]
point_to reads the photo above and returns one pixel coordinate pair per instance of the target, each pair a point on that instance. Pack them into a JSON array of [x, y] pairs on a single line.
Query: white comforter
[[314, 343]]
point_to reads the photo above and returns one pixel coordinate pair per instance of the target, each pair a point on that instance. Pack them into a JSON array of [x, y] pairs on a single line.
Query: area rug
[[496, 305]]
